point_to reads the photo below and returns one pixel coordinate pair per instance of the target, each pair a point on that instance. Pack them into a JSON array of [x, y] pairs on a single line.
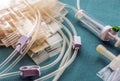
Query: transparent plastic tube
[[69, 23], [64, 28], [63, 67], [71, 26], [78, 4], [74, 32], [58, 59], [18, 73], [46, 77], [66, 57], [8, 59], [45, 67], [9, 74], [15, 51], [61, 72], [91, 24], [37, 25]]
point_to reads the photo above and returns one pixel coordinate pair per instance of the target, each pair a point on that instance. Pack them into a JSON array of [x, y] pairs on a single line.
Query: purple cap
[[30, 71]]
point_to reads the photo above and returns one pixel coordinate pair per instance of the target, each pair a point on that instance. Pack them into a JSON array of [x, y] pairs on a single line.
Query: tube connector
[[77, 42], [102, 50], [108, 33], [115, 60], [22, 43], [104, 33], [79, 14]]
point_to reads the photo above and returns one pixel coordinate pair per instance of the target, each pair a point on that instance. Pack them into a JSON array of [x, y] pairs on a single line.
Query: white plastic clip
[[76, 42]]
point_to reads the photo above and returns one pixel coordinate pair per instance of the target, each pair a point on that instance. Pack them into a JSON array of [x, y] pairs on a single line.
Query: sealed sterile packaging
[[20, 20], [16, 17]]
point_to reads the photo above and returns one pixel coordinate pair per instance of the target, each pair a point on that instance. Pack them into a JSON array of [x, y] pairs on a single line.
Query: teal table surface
[[88, 61]]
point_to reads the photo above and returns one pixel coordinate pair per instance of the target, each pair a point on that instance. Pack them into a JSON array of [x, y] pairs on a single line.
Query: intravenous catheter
[[104, 32], [45, 16]]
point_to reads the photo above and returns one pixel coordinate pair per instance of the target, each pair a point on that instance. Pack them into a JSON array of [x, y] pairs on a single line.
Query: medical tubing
[[91, 24], [18, 72], [71, 7], [32, 9], [70, 46], [74, 32], [67, 53], [9, 74], [8, 58], [18, 59], [30, 44], [57, 76], [67, 56], [63, 67], [14, 52], [69, 23], [63, 27], [71, 26], [58, 59], [78, 4], [61, 72]]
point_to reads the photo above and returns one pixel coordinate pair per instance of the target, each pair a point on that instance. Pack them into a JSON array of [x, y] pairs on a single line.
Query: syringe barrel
[[91, 24]]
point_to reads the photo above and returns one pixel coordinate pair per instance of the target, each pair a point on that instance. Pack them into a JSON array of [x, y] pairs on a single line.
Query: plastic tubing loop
[[70, 41], [65, 39], [66, 56], [73, 28], [9, 58], [36, 26], [63, 67]]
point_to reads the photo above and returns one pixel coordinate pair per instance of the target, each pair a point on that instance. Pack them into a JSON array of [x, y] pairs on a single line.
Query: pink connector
[[108, 34], [30, 71], [22, 43], [76, 42]]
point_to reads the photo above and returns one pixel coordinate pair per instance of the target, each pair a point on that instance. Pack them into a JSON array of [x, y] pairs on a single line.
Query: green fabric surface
[[88, 61]]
